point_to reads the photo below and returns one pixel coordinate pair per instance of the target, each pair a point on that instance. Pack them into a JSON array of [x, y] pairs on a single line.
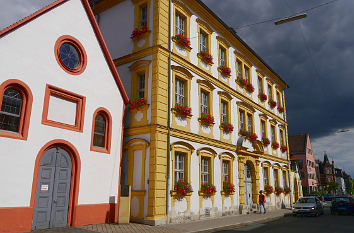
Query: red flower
[[249, 135], [208, 189], [268, 189], [184, 110], [272, 103], [225, 70], [207, 119], [279, 190], [280, 109], [265, 141], [242, 82], [206, 56], [263, 97], [228, 187], [287, 190], [182, 188], [182, 40], [275, 145], [136, 104], [227, 127], [283, 148], [249, 87], [138, 31]]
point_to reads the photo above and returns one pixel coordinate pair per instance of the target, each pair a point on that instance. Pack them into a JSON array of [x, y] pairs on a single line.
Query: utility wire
[[296, 13]]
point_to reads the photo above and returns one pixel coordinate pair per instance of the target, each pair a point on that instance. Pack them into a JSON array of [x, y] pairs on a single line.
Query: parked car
[[327, 199], [308, 205], [343, 205]]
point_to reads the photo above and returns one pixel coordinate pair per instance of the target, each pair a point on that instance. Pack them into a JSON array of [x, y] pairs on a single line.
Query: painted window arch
[[101, 131], [15, 109]]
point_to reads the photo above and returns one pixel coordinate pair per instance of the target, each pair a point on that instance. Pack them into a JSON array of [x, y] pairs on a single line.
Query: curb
[[231, 226]]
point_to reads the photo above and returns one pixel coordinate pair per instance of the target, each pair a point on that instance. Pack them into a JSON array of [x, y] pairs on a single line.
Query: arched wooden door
[[248, 185], [53, 189]]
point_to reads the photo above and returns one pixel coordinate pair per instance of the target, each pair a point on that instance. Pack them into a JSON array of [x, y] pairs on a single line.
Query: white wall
[[27, 54]]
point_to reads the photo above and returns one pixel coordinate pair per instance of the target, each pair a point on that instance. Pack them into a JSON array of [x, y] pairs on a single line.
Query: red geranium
[[208, 189], [263, 97], [242, 82], [207, 118], [182, 40], [287, 190], [225, 70], [249, 87], [182, 188], [138, 31], [279, 190], [227, 127], [228, 187], [272, 103], [275, 145], [268, 189], [265, 141], [206, 56], [283, 148], [136, 104], [249, 135], [183, 110], [280, 109]]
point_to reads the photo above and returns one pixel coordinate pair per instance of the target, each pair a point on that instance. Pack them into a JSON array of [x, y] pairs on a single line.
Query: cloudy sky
[[313, 55]]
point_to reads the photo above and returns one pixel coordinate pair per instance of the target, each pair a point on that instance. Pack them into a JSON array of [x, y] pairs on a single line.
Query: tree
[[332, 186]]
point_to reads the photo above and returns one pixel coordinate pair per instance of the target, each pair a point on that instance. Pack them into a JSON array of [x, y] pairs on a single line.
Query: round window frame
[[79, 48]]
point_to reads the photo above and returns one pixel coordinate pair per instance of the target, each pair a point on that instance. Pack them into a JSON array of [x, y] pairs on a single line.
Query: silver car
[[308, 205]]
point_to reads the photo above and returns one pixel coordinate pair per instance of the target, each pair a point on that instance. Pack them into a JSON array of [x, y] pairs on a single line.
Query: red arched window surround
[[26, 108], [108, 131]]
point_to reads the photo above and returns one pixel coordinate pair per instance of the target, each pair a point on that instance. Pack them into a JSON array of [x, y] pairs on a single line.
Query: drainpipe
[[169, 107], [287, 154]]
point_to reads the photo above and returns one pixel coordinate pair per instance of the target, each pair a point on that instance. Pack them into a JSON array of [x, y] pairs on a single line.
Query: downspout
[[168, 110], [287, 154]]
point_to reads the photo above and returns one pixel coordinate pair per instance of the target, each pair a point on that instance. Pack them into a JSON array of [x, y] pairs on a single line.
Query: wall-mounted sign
[[44, 187]]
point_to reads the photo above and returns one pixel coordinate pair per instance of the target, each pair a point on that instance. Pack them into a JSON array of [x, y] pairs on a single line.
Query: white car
[[308, 205]]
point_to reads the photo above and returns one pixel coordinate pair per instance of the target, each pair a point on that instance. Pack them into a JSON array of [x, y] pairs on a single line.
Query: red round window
[[70, 55]]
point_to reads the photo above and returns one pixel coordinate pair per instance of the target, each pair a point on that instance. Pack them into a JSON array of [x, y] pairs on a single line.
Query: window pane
[[203, 42], [249, 123], [225, 165], [141, 85], [179, 25], [265, 176], [259, 85], [246, 74], [222, 56], [263, 129], [204, 102], [179, 166], [270, 92], [143, 16], [205, 171], [239, 71], [223, 111], [242, 120], [99, 131], [273, 133], [10, 110], [179, 92]]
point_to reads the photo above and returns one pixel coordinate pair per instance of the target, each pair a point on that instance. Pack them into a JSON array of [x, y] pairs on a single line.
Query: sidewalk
[[205, 225]]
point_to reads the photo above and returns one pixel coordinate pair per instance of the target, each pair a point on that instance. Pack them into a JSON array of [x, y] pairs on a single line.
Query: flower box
[[287, 190], [241, 81], [275, 145], [208, 189], [263, 97], [137, 104], [207, 119], [249, 135], [249, 87], [227, 127], [272, 103], [228, 188], [225, 70], [280, 109], [265, 141], [137, 32], [182, 40], [206, 57], [182, 188], [183, 110], [283, 148], [279, 190], [268, 189]]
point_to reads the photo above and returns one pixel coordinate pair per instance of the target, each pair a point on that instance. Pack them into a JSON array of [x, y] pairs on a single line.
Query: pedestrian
[[261, 202]]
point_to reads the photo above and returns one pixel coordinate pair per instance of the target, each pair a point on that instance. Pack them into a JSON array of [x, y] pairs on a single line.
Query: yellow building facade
[[205, 108]]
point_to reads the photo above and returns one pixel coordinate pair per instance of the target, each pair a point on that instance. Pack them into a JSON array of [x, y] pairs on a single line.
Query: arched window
[[15, 109], [101, 131]]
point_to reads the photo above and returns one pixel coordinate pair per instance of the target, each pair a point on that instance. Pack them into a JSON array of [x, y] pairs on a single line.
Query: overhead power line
[[296, 13]]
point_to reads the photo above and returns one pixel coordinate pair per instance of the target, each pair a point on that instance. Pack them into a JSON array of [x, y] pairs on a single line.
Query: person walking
[[261, 202]]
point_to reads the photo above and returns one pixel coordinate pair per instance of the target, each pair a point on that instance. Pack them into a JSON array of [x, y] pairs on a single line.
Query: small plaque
[[44, 187]]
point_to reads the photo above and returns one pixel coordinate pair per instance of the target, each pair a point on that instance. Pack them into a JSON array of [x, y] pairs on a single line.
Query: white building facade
[[62, 107]]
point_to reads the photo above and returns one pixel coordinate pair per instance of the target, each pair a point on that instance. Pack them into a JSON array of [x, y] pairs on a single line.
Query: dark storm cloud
[[314, 56]]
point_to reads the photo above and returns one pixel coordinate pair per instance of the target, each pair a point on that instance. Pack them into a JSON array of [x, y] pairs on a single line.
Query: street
[[325, 224]]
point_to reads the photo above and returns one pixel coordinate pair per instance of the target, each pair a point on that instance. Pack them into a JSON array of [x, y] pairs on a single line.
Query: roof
[[96, 30], [233, 32], [297, 143]]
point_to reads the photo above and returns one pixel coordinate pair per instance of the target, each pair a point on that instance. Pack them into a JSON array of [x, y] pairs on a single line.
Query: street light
[[291, 18]]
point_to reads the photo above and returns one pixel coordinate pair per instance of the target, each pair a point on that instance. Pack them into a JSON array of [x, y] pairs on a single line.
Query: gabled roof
[[297, 143], [95, 27]]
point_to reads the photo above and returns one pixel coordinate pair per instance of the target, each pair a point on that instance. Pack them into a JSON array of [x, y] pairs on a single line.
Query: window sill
[[205, 123], [204, 59], [100, 149], [188, 48], [201, 194], [174, 111], [142, 36], [227, 194], [173, 193], [13, 135], [223, 73], [142, 108]]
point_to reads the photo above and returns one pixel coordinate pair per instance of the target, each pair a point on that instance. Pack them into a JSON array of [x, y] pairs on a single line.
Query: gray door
[[53, 187], [248, 185]]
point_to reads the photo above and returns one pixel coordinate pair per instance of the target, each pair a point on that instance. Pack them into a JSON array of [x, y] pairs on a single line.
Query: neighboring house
[[326, 170], [301, 152], [199, 93], [62, 106], [340, 181]]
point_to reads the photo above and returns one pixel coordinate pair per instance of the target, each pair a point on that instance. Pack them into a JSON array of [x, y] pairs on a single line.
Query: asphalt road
[[323, 224]]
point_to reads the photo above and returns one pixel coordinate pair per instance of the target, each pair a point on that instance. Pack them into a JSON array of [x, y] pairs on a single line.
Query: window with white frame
[[263, 129], [203, 42], [238, 69], [273, 133], [143, 15], [225, 171], [204, 102], [223, 111], [222, 56], [249, 122], [275, 178], [242, 119], [179, 92], [179, 24], [265, 176], [179, 166], [247, 72], [141, 85], [270, 93], [259, 85], [205, 170]]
